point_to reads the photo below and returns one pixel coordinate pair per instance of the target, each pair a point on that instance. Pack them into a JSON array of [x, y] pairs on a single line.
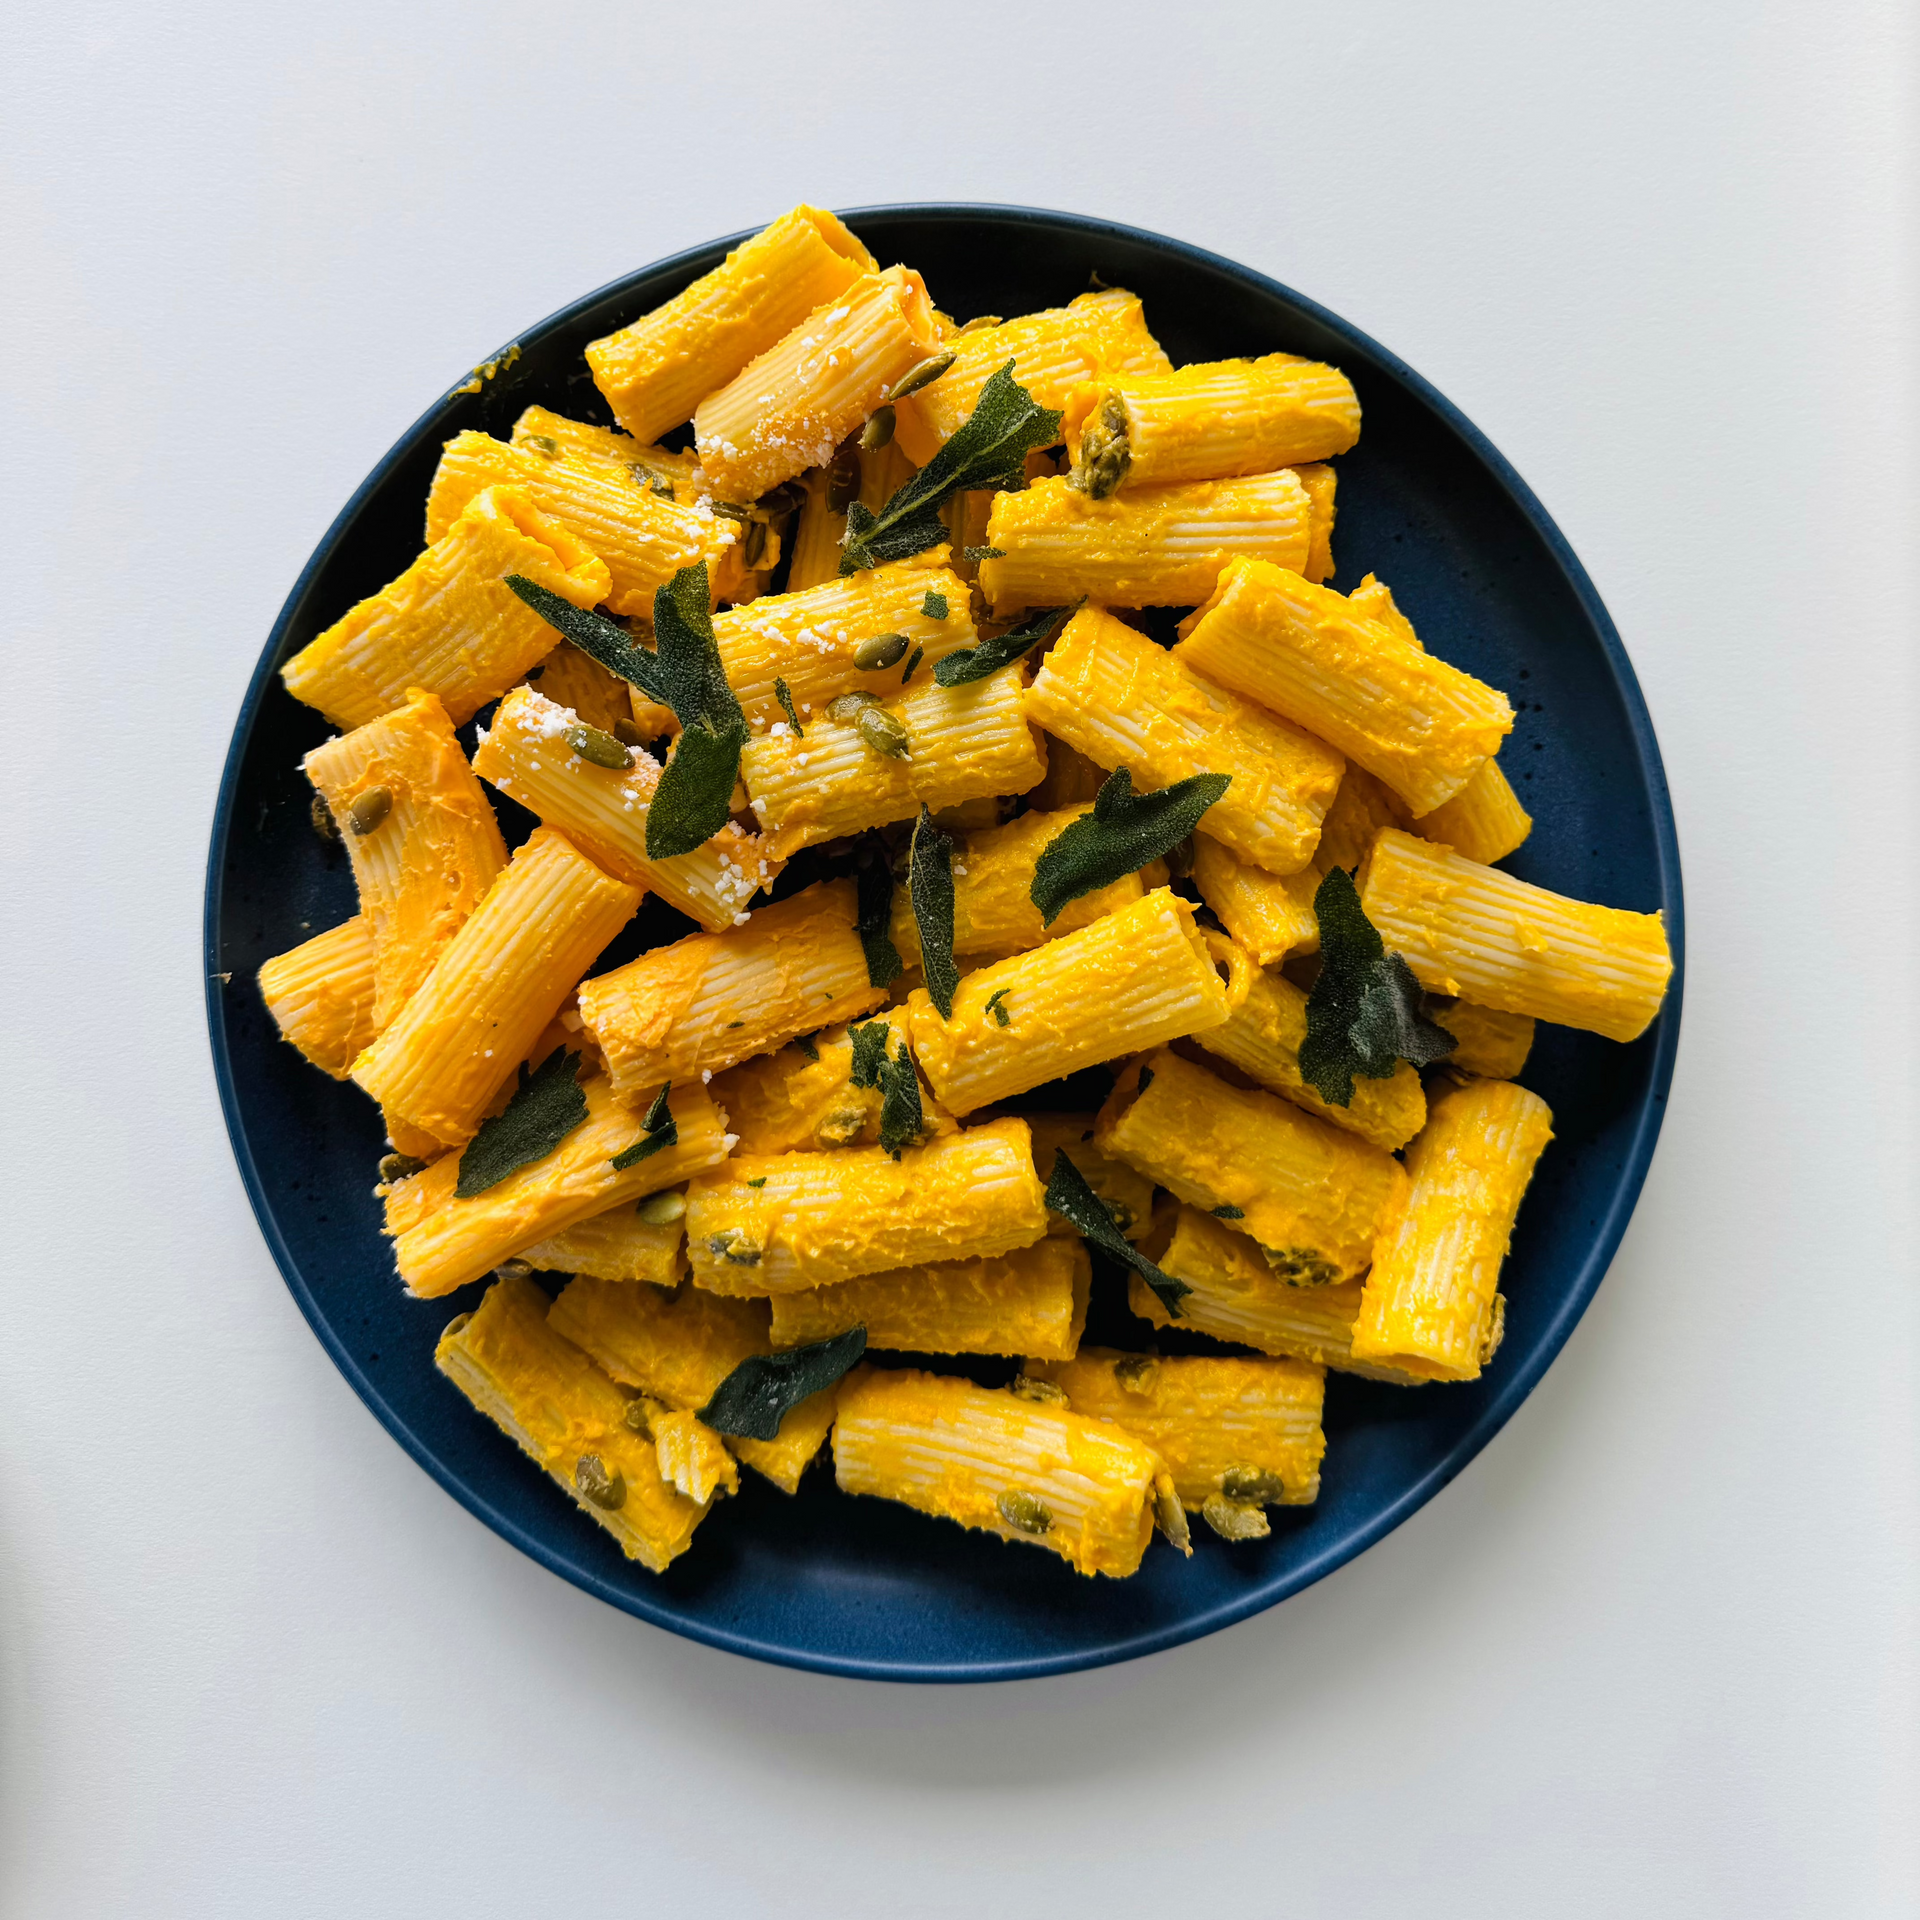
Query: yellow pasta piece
[[603, 812], [1245, 1430], [781, 1223], [808, 639], [1477, 932], [1269, 914], [1113, 695], [1020, 1468], [678, 1347], [1360, 811], [1129, 981], [449, 624], [1032, 1301], [712, 999], [570, 679], [818, 532], [692, 1456], [1307, 1195], [429, 853], [1146, 547], [1053, 353], [1071, 778], [1423, 727], [618, 1245], [1128, 1196], [321, 994], [964, 743], [563, 1411], [544, 431], [1493, 1045], [1261, 1035], [1211, 420], [1484, 820], [441, 1242], [644, 538], [1433, 1293], [1234, 1295], [793, 405], [493, 990], [1321, 484], [655, 372]]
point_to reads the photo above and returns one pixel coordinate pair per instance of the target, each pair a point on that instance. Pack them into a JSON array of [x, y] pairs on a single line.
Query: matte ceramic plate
[[859, 1586]]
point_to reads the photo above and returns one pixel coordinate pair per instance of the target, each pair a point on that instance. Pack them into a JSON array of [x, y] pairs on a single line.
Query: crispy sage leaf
[[595, 635], [1069, 1196], [930, 884], [988, 449], [873, 920], [934, 605], [1120, 836], [901, 1114], [763, 1389], [545, 1108], [695, 793], [1000, 650], [869, 1052], [995, 1008], [784, 694], [1363, 1015], [658, 1131]]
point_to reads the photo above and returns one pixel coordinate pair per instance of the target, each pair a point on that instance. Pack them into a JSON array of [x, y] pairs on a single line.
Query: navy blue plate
[[859, 1586]]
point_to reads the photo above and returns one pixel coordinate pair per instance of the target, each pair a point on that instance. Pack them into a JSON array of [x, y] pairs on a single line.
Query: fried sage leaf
[[873, 920], [1121, 835], [695, 793], [692, 802], [1363, 1015], [1001, 649], [595, 635], [1074, 1201], [658, 1131], [901, 1115], [763, 1389], [784, 694], [546, 1107], [988, 449], [930, 884], [869, 1052]]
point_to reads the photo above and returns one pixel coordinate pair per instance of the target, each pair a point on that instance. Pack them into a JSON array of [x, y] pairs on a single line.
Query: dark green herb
[[1363, 1014], [901, 1114], [1119, 837], [873, 921], [934, 606], [658, 1131], [692, 801], [761, 1182], [1001, 649], [595, 635], [546, 1107], [989, 449], [913, 663], [784, 694], [930, 883], [763, 1389], [995, 1007], [1069, 1196], [1229, 1212], [869, 1052], [977, 554], [804, 1046]]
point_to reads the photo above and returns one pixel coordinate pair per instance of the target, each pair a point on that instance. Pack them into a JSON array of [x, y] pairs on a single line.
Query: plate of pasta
[[943, 943]]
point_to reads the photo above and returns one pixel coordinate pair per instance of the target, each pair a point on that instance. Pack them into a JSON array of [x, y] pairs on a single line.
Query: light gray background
[[1651, 1656]]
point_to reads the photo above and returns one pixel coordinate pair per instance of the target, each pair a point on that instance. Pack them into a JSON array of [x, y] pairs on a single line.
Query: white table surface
[[1652, 1655]]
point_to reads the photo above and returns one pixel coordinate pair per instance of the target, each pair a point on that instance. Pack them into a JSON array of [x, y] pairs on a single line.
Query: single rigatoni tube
[[1127, 982], [1433, 1295], [1114, 696], [1423, 727], [1261, 1035], [431, 848], [1321, 483], [655, 372], [1023, 1469], [562, 1410], [818, 533], [618, 1245], [1126, 1195], [1269, 914], [809, 639], [1307, 1195], [993, 910], [1493, 1045], [1234, 1295], [1484, 820], [1146, 547], [450, 624], [712, 999], [673, 476], [527, 755], [1479, 933], [963, 743], [643, 537], [679, 1347], [793, 405], [447, 1241], [1031, 1302], [321, 995], [494, 988], [1246, 1430], [781, 1223], [1211, 420], [1054, 353]]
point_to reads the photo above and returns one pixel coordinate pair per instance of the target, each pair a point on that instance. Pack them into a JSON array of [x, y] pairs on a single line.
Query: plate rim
[[1507, 1397]]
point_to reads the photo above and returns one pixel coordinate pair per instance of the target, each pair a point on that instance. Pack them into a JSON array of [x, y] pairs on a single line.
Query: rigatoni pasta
[[320, 995], [624, 1244]]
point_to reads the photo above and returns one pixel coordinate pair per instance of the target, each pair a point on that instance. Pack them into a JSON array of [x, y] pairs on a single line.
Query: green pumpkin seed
[[1170, 1516], [1252, 1486], [663, 1209], [845, 707], [604, 1489], [628, 733], [398, 1166], [883, 650], [1025, 1387], [1136, 1373], [728, 1245], [843, 478], [324, 823], [367, 810], [731, 510], [639, 1416], [602, 749], [1233, 1522], [1106, 452], [928, 371], [883, 733], [513, 1270], [878, 430], [542, 443], [758, 543], [1024, 1513], [650, 478]]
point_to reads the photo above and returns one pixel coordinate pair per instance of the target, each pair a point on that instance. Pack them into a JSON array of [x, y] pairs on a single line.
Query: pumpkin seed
[[731, 510], [924, 375], [755, 547], [366, 810], [1105, 450], [324, 823], [1025, 1387], [843, 478], [878, 430], [513, 1270], [848, 706], [652, 480], [1025, 1513], [542, 442], [628, 733], [883, 733], [639, 1416], [788, 497], [1169, 1515], [1232, 1522], [1252, 1486], [1136, 1373], [604, 1489], [398, 1166], [602, 749], [883, 650], [663, 1209], [728, 1245], [840, 1126]]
